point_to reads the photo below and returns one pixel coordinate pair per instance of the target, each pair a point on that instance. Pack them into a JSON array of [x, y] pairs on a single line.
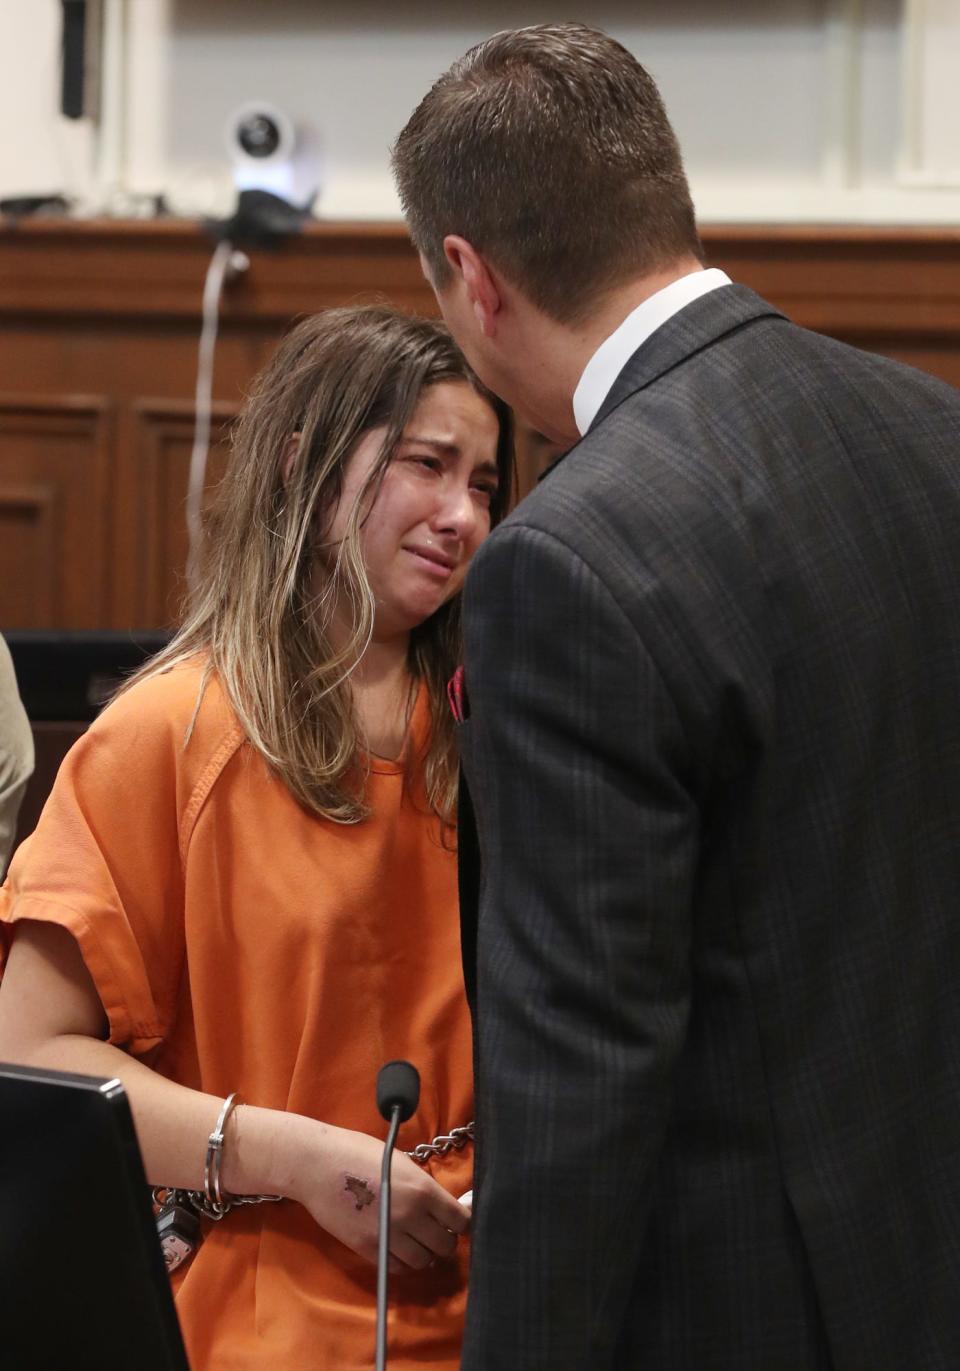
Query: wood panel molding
[[155, 270], [160, 456], [868, 284], [54, 515], [28, 570], [875, 281]]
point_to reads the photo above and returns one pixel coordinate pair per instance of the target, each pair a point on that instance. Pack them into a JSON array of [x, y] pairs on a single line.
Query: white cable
[[224, 260]]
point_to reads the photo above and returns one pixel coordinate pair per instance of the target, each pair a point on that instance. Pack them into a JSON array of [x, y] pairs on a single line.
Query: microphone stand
[[383, 1245], [398, 1091]]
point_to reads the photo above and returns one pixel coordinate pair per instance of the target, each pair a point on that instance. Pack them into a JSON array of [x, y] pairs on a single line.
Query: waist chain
[[454, 1141]]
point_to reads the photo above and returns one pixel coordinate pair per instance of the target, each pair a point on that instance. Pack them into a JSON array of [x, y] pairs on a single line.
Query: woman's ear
[[291, 450]]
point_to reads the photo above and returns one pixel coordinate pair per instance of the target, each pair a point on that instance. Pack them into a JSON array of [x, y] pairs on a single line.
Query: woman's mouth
[[433, 562]]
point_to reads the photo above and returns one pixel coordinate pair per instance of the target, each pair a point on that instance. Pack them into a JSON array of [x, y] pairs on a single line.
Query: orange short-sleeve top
[[238, 942]]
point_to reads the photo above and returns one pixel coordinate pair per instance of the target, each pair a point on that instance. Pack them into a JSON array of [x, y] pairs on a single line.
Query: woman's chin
[[401, 621]]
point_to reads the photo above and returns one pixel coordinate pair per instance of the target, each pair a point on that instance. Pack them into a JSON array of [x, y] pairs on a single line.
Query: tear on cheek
[[357, 1192]]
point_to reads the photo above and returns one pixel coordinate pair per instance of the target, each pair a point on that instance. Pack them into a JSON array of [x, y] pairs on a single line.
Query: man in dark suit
[[713, 749]]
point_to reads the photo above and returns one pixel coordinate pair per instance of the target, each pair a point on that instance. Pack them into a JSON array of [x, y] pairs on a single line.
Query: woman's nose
[[457, 512]]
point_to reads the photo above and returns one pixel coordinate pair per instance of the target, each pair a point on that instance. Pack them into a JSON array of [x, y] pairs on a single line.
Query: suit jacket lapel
[[698, 325]]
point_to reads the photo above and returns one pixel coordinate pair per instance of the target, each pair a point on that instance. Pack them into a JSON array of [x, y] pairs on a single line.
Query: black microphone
[[398, 1092], [398, 1086]]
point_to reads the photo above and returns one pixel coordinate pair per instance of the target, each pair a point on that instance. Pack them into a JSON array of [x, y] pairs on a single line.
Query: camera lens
[[258, 135]]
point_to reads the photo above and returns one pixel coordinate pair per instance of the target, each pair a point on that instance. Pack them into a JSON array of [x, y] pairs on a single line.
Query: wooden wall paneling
[[112, 309], [160, 455], [848, 277], [125, 537], [54, 510], [885, 289], [28, 547], [155, 269]]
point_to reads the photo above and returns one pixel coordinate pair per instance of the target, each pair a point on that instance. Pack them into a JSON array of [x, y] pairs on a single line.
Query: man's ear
[[481, 286], [291, 449]]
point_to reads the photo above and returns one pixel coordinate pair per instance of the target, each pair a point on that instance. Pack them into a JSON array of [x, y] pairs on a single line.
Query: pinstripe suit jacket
[[713, 666]]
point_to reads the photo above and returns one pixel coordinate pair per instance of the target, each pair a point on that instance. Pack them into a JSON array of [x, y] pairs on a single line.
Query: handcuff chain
[[455, 1140], [198, 1201]]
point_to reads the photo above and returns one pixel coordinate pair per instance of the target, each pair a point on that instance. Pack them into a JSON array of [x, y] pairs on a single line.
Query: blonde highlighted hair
[[255, 613]]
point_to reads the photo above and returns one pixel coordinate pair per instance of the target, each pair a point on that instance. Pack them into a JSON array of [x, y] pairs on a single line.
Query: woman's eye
[[486, 491], [427, 460]]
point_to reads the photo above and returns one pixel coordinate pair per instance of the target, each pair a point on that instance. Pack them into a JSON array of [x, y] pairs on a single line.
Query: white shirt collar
[[614, 352]]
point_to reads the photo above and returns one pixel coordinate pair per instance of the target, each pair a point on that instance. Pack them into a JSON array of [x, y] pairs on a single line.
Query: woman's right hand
[[340, 1185]]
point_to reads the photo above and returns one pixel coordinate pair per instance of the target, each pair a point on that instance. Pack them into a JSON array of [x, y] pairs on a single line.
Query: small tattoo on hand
[[359, 1190]]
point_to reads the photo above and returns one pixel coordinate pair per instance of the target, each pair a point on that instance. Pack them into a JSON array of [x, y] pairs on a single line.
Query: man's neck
[[562, 351], [613, 308]]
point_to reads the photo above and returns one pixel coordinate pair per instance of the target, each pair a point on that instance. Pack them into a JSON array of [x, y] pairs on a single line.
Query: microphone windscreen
[[398, 1084]]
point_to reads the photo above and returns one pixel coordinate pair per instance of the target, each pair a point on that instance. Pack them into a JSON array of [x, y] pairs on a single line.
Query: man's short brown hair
[[549, 149]]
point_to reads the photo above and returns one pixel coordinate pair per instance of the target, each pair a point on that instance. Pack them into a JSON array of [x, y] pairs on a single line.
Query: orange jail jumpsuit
[[239, 943]]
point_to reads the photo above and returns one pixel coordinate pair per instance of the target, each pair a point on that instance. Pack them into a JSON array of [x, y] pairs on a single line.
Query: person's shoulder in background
[[16, 752]]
